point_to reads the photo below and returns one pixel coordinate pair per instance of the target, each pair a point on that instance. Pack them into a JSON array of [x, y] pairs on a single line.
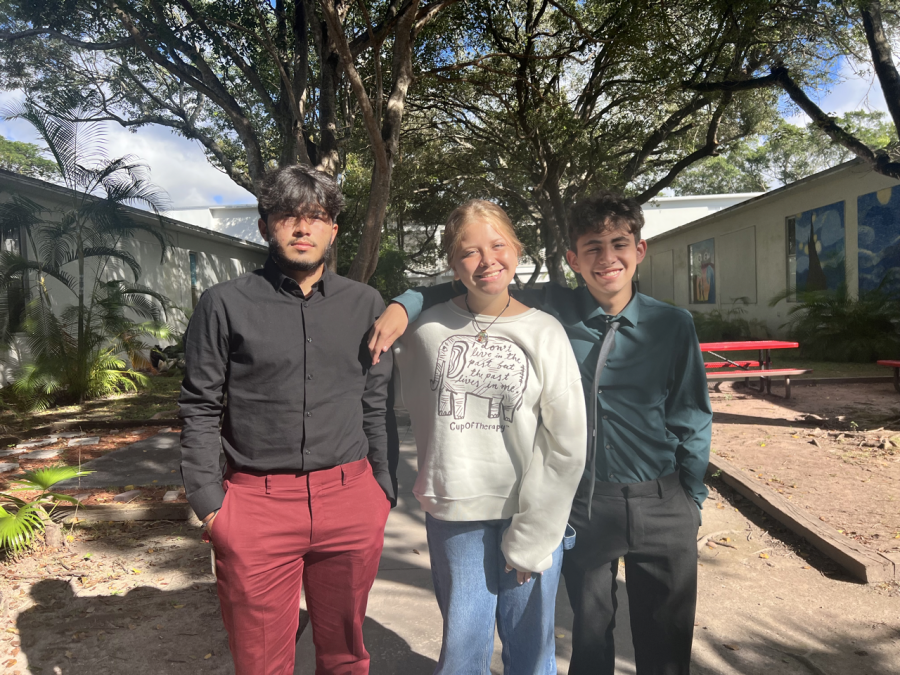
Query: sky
[[179, 166]]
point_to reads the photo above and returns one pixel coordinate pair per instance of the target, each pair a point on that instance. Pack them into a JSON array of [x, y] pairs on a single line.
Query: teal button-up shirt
[[653, 410]]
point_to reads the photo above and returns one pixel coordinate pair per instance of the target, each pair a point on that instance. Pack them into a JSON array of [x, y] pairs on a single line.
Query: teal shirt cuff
[[412, 302]]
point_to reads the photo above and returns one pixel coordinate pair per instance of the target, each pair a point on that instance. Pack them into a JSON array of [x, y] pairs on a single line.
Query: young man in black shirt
[[307, 487]]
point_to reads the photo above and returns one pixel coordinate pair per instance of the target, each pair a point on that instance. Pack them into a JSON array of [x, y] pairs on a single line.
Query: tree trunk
[[81, 352], [366, 259], [328, 159], [53, 536]]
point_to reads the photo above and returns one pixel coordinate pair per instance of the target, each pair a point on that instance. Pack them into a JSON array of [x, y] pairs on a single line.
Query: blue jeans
[[473, 591]]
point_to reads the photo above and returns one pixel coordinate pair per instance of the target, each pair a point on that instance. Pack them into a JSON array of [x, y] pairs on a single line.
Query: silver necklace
[[482, 335]]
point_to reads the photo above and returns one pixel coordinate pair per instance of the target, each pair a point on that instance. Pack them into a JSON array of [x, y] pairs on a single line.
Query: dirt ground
[[140, 597], [832, 449]]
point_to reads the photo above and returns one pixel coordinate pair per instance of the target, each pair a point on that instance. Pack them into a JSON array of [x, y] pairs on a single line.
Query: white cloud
[[177, 164], [854, 89]]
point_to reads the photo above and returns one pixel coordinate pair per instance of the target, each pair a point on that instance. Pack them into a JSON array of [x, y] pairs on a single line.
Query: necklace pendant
[[482, 337]]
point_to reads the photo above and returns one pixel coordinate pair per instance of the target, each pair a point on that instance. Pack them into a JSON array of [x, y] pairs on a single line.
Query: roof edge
[[766, 195], [60, 190]]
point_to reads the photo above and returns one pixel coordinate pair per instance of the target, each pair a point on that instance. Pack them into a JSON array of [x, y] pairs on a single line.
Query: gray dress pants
[[653, 526]]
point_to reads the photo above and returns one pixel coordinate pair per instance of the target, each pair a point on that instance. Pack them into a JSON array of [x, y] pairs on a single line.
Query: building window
[[792, 259], [195, 291], [17, 293]]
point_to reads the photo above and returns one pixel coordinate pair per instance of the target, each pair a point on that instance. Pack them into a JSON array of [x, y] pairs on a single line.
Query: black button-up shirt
[[301, 391]]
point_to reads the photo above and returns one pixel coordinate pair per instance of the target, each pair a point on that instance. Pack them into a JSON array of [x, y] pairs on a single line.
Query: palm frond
[[21, 212], [46, 478], [17, 528]]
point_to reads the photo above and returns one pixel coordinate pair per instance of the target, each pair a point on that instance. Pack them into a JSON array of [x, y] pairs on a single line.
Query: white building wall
[[219, 258], [666, 213], [238, 221]]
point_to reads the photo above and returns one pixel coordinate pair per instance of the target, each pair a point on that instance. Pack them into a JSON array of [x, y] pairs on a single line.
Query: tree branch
[[56, 35], [709, 149], [882, 59]]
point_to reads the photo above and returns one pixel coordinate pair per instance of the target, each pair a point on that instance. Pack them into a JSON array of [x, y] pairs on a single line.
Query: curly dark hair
[[603, 211], [300, 191]]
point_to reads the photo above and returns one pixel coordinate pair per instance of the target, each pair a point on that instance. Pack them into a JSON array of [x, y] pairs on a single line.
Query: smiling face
[[299, 243], [485, 261], [607, 260]]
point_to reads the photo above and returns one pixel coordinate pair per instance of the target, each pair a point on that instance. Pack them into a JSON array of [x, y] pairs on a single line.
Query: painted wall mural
[[816, 249], [703, 272], [879, 239]]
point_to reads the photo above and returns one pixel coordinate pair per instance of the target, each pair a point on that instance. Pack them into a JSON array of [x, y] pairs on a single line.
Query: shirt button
[[309, 377], [613, 478], [599, 391], [309, 339], [306, 304], [307, 452], [309, 414], [608, 446], [606, 417]]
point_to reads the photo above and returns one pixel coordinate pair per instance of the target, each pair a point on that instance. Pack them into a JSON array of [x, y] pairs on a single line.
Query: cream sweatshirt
[[499, 425]]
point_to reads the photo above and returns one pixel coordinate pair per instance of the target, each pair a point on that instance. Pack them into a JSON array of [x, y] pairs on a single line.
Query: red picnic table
[[896, 366], [728, 369]]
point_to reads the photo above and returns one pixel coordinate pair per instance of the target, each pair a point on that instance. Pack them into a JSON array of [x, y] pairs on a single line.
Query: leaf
[[733, 648], [44, 479], [135, 570], [177, 606], [17, 529], [208, 656], [765, 556]]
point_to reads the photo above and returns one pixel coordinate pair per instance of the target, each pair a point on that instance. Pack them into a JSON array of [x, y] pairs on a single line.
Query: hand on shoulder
[[387, 328]]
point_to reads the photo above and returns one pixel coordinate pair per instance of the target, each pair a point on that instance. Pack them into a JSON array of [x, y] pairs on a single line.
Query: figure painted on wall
[[703, 272], [879, 240], [816, 251]]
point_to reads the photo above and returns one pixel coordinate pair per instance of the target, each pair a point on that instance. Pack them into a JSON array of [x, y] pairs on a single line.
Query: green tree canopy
[[27, 159], [784, 155]]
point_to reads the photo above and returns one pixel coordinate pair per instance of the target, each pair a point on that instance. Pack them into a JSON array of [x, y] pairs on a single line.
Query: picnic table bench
[[896, 366], [726, 369]]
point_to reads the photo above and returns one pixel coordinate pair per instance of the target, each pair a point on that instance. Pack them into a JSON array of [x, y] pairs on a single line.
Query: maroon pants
[[325, 528]]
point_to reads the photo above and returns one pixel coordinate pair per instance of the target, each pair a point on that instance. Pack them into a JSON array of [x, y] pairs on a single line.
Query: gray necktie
[[609, 341]]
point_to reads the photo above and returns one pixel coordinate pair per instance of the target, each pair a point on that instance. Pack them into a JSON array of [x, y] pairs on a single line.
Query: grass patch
[[787, 358], [161, 395]]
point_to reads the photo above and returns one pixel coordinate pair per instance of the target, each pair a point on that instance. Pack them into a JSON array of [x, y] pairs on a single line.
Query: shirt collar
[[589, 308], [279, 279]]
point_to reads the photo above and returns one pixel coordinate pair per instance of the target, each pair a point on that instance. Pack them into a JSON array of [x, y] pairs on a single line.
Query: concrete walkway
[[403, 625], [764, 605], [153, 461]]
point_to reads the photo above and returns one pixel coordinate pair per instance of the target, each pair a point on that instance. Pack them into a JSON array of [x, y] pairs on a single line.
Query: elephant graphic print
[[495, 370]]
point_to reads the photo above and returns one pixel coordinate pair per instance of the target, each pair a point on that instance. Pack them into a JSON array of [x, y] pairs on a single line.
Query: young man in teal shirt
[[649, 422]]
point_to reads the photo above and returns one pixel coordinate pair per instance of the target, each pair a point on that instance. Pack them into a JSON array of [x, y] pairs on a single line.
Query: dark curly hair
[[603, 211], [299, 191]]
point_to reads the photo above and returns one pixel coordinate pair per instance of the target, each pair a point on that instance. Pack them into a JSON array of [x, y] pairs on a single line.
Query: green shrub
[[730, 325], [833, 326], [20, 519]]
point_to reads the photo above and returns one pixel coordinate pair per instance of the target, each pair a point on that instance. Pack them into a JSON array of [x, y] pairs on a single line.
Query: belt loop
[[343, 475], [268, 485], [659, 487]]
